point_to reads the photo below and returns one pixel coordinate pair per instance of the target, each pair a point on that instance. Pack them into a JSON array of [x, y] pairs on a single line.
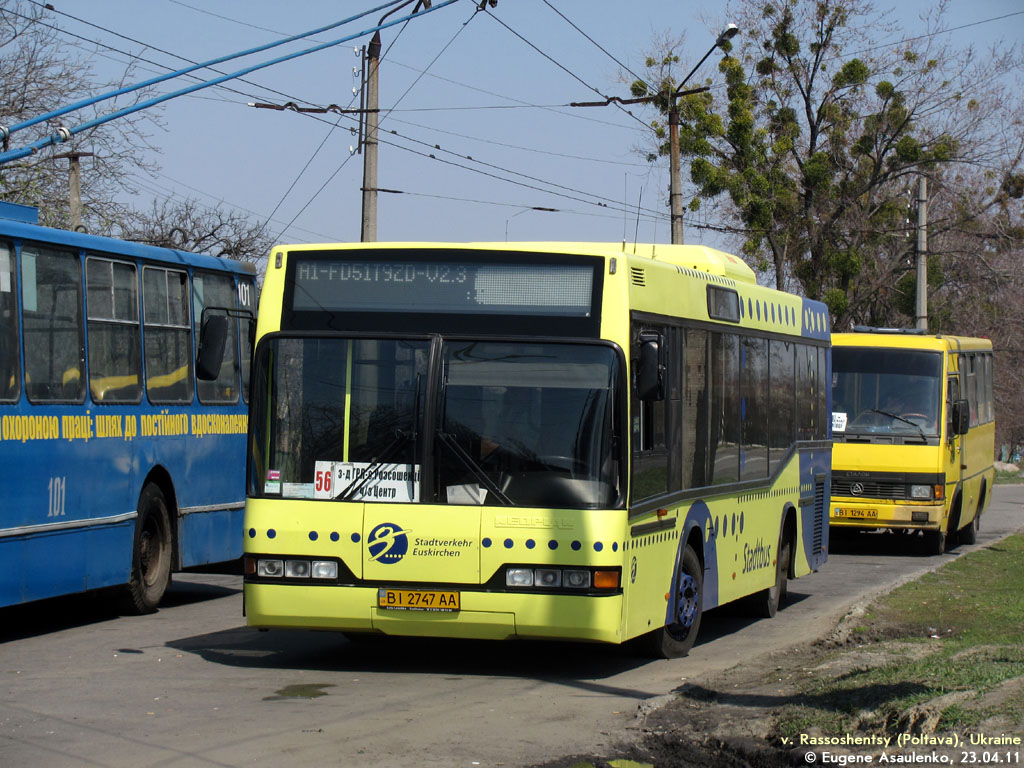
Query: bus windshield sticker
[[297, 490], [838, 421], [367, 481], [470, 494]]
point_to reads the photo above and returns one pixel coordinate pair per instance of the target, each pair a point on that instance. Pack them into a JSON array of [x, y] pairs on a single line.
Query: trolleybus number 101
[[58, 491]]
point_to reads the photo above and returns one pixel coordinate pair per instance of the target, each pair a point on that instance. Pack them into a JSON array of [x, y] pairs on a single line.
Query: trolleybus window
[[54, 341], [168, 338], [10, 368], [115, 365]]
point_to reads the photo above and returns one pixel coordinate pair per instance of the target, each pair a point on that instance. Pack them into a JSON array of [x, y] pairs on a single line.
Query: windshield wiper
[[899, 418], [477, 471], [402, 438]]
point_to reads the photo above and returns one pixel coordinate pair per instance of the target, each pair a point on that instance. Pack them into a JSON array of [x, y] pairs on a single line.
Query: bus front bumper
[[870, 514], [482, 615]]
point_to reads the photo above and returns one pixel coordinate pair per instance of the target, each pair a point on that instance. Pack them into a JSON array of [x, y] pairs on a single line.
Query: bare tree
[[189, 226], [39, 72]]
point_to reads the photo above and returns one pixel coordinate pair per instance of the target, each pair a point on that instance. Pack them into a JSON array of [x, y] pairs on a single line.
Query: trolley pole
[[75, 187], [922, 254], [369, 228]]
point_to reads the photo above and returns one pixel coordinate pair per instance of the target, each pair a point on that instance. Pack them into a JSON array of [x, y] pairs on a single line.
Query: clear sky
[[491, 86]]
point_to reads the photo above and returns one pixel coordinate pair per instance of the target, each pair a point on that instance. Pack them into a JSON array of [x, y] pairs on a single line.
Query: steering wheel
[[921, 416]]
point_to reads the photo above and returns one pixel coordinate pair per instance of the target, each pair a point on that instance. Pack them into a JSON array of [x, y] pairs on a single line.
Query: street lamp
[[675, 184]]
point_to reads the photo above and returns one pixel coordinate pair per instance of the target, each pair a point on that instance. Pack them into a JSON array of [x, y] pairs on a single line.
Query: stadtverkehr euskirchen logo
[[387, 543]]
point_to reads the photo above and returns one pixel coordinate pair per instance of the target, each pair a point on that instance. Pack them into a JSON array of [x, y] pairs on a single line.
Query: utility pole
[[922, 254], [372, 64], [75, 187], [675, 194]]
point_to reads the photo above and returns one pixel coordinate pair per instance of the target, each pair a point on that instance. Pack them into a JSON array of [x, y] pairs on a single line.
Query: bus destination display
[[442, 286]]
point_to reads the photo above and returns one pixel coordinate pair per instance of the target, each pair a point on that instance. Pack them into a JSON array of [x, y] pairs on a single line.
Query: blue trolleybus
[[120, 464]]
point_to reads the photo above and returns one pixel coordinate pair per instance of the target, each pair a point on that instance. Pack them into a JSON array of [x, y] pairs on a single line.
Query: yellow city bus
[[542, 440], [913, 425]]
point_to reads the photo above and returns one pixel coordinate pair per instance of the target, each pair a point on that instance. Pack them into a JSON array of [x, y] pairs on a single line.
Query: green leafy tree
[[813, 155]]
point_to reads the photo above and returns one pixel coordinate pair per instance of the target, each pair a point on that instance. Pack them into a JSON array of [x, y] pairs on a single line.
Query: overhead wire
[[563, 67], [171, 75], [272, 215], [65, 134]]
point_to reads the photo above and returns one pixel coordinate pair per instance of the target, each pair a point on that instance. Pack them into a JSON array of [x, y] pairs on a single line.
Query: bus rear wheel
[[675, 640], [151, 553]]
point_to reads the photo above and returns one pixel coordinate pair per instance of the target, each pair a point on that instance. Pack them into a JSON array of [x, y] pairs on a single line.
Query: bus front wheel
[[151, 553], [767, 601], [675, 640]]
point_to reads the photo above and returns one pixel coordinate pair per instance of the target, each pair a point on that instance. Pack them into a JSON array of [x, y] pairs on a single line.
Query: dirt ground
[[730, 720], [726, 721]]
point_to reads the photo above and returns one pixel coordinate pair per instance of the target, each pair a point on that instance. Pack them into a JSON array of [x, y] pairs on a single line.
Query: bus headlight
[[296, 569], [548, 577], [921, 492], [325, 569], [562, 578], [577, 579], [270, 569], [519, 577]]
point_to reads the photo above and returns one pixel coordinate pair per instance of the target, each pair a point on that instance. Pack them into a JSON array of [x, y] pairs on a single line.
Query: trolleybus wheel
[[675, 640], [151, 554]]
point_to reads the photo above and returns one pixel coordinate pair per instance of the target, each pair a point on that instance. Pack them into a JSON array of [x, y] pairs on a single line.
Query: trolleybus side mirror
[[961, 417], [650, 376], [213, 337]]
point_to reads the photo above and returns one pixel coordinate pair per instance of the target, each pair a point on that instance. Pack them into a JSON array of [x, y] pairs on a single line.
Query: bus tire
[[151, 553], [675, 640], [969, 533], [934, 542], [767, 601]]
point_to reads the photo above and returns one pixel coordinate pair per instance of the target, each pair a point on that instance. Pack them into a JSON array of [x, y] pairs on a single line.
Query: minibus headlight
[[921, 492], [296, 569]]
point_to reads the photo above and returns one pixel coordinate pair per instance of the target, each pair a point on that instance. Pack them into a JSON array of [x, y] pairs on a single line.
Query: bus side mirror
[[961, 417], [213, 338], [650, 376]]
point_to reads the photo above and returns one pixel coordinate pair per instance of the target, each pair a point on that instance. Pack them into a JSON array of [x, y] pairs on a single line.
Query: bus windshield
[[522, 424], [879, 391]]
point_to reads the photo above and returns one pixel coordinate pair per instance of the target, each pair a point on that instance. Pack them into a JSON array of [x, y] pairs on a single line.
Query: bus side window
[[695, 409], [724, 438], [10, 359], [650, 445], [54, 334]]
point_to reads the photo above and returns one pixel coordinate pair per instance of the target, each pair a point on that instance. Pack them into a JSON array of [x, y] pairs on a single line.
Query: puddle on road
[[301, 691]]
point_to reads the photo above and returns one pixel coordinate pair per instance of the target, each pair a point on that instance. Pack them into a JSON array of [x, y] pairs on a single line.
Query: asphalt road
[[191, 686]]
